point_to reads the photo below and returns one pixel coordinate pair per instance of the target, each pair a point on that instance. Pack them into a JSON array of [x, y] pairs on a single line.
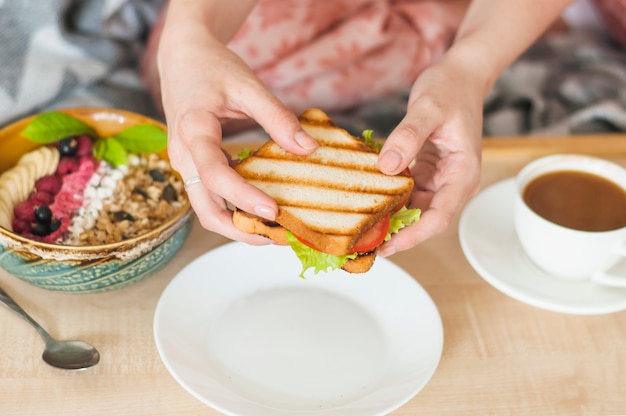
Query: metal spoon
[[68, 355]]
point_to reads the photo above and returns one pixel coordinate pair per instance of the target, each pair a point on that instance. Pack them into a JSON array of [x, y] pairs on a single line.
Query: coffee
[[577, 200]]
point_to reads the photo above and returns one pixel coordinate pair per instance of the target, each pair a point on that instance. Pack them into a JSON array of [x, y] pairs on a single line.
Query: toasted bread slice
[[329, 198]]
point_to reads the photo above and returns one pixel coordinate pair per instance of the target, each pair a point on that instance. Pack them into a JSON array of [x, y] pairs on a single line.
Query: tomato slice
[[373, 237], [370, 240], [306, 243]]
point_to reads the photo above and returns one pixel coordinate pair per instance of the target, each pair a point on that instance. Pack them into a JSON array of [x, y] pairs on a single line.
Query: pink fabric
[[334, 54], [614, 14]]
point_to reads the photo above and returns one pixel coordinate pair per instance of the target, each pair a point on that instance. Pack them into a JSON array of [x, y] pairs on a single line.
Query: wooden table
[[500, 357]]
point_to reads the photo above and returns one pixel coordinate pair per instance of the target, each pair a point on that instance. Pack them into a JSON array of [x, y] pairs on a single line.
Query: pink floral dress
[[334, 54]]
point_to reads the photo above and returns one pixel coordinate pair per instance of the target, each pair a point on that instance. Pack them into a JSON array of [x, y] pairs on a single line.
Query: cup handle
[[612, 279]]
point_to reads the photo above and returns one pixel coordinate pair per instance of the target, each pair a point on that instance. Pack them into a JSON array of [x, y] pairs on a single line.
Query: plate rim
[[437, 336], [503, 186]]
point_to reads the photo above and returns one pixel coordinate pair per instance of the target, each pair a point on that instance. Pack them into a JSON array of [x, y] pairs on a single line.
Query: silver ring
[[192, 181]]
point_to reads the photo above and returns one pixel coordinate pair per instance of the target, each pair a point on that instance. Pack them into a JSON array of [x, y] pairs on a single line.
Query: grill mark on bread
[[350, 158], [331, 222], [322, 175], [299, 195], [271, 224], [327, 133]]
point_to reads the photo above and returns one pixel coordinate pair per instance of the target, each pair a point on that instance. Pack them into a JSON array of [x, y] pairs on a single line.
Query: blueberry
[[43, 214], [40, 229], [55, 223], [68, 146]]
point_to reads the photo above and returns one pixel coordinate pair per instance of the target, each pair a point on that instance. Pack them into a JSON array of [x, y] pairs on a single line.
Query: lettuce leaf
[[311, 258], [402, 218], [318, 261], [368, 138], [244, 154]]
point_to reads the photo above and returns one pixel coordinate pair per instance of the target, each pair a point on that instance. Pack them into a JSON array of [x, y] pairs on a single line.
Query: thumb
[[400, 148]]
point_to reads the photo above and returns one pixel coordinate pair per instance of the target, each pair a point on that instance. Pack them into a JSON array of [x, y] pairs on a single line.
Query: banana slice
[[15, 180], [5, 209], [5, 221], [17, 183]]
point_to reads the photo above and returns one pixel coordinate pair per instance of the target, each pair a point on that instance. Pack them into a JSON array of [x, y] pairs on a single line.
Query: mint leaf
[[142, 138], [52, 126], [111, 151]]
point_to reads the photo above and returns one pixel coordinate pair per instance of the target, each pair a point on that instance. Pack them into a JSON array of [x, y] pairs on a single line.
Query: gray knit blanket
[[71, 53], [68, 53], [564, 84]]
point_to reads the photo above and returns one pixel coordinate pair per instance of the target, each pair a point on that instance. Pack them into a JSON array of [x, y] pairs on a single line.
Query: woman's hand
[[203, 86], [442, 130], [440, 139]]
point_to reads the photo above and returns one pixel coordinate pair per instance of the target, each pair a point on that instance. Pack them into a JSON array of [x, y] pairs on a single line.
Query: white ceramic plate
[[240, 331], [489, 241]]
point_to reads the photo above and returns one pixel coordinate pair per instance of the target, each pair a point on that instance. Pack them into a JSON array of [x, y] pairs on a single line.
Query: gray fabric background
[[63, 53], [564, 84]]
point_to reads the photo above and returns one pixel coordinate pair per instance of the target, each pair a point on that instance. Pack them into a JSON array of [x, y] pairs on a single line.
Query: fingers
[[217, 176], [194, 152], [433, 220], [404, 143], [280, 123], [460, 177], [446, 151], [215, 216]]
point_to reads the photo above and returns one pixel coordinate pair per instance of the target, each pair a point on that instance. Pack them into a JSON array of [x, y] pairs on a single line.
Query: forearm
[[222, 17], [495, 32]]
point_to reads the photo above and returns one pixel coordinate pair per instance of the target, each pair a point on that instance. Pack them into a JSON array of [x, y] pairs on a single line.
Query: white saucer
[[240, 331], [489, 241]]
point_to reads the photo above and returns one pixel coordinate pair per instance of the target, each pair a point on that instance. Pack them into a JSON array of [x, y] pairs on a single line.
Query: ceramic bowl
[[88, 269]]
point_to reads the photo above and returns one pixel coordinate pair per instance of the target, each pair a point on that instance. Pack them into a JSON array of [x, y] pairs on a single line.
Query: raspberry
[[50, 184], [20, 225], [28, 234], [85, 146], [40, 198], [67, 165], [25, 211]]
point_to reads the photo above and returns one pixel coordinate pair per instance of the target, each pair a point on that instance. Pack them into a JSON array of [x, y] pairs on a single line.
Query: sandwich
[[335, 208]]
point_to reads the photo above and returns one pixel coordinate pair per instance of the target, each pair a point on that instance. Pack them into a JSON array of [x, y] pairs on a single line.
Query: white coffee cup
[[566, 252]]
